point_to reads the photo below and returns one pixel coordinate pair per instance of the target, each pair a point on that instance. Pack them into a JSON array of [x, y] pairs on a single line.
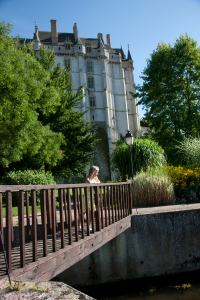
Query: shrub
[[152, 188], [145, 153], [189, 148], [186, 181], [28, 177]]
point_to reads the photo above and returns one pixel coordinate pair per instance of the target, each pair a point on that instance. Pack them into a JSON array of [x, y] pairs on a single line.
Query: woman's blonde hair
[[92, 170]]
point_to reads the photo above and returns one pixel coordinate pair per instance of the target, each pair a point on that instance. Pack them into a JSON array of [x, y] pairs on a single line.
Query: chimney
[[108, 39], [75, 30], [100, 37], [54, 32]]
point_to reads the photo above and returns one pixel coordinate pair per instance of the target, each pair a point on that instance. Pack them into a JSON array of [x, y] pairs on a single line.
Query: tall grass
[[152, 188], [189, 149], [145, 153]]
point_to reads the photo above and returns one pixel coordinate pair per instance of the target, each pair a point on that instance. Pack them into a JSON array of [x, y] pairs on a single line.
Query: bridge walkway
[[44, 244]]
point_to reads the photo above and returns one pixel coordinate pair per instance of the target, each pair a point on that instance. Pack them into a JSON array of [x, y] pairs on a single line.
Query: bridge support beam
[[48, 267]]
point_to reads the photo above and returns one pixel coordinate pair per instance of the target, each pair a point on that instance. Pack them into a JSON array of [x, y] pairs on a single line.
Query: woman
[[91, 178]]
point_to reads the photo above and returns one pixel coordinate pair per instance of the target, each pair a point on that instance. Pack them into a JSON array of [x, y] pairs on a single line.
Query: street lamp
[[129, 141]]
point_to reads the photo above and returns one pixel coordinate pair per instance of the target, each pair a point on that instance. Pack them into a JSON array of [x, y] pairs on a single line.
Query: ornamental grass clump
[[145, 153], [152, 188], [189, 149]]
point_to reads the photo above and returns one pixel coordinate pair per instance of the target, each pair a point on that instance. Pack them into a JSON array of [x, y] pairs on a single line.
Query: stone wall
[[101, 153], [156, 244]]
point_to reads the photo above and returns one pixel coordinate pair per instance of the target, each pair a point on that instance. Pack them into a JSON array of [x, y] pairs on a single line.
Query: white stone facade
[[106, 73]]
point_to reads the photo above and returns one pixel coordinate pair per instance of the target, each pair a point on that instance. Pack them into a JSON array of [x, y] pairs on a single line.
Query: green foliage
[[189, 149], [171, 92], [145, 153], [24, 91], [39, 125], [152, 188], [144, 123], [28, 177]]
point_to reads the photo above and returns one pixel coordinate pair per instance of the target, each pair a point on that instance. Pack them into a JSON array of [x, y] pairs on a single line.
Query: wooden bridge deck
[[44, 258]]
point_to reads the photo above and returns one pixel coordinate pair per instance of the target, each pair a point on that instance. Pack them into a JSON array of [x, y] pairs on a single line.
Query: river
[[185, 286]]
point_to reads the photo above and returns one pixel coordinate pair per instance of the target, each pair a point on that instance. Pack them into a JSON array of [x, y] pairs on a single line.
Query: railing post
[[121, 200], [28, 216], [69, 216], [21, 227], [105, 203], [108, 194], [53, 210], [101, 204], [130, 199], [8, 228], [115, 202], [49, 215], [61, 218], [113, 220], [98, 226], [92, 208], [65, 206], [87, 210], [81, 212], [34, 224], [44, 225], [1, 221], [75, 197]]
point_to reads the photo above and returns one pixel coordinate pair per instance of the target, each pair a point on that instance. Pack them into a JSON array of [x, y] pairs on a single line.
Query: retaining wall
[[159, 242]]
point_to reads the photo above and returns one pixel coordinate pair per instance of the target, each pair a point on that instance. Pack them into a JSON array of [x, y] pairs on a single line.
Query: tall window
[[92, 101], [89, 66], [67, 63], [88, 48], [90, 82]]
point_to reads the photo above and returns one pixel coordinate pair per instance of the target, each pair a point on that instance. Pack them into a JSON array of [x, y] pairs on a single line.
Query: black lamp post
[[129, 141]]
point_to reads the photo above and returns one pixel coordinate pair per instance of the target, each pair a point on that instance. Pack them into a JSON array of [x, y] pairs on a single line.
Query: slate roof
[[45, 38]]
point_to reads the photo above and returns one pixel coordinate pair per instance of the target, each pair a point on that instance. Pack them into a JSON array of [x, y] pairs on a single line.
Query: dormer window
[[88, 48], [67, 46]]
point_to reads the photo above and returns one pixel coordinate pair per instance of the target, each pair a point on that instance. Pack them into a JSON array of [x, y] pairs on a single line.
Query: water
[[185, 286]]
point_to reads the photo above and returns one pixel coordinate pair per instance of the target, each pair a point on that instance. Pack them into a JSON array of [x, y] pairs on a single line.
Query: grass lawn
[[15, 210]]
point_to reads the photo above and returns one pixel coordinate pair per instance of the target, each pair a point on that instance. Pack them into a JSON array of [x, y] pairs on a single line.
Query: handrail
[[104, 203], [15, 188]]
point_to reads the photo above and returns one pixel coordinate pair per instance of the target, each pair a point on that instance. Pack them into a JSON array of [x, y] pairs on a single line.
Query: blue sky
[[141, 24]]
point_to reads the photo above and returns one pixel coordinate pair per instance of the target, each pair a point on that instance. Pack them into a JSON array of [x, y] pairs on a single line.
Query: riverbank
[[35, 290]]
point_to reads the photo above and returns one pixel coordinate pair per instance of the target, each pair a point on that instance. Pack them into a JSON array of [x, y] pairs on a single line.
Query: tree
[[38, 121], [23, 83], [171, 91]]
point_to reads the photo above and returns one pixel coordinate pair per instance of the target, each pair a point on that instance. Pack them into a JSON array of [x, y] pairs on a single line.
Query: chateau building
[[108, 78]]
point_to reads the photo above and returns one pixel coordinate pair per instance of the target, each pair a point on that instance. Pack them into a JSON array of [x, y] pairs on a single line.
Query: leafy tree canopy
[[171, 91], [38, 121]]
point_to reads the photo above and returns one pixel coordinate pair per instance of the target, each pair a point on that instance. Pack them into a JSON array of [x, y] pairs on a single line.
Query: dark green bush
[[28, 177], [145, 153]]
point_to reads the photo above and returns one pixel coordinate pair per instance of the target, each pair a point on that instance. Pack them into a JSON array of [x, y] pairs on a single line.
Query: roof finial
[[129, 54], [36, 25]]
